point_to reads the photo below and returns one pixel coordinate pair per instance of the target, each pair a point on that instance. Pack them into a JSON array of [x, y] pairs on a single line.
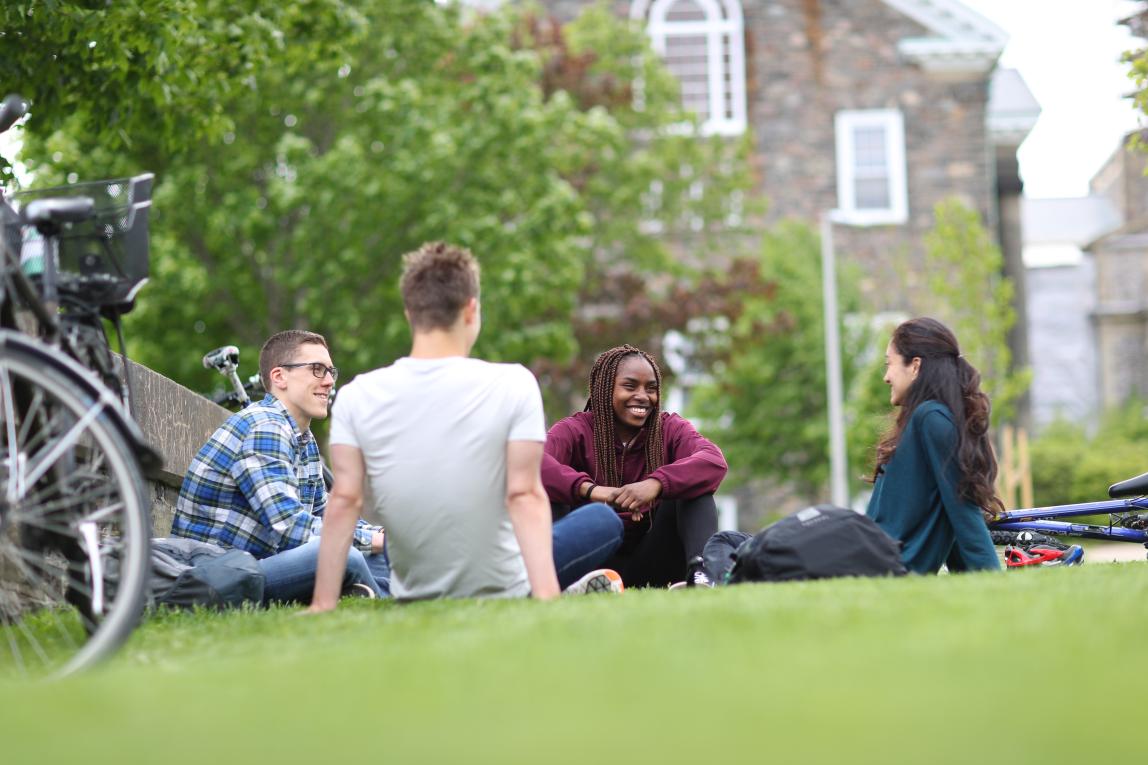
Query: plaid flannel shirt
[[257, 485]]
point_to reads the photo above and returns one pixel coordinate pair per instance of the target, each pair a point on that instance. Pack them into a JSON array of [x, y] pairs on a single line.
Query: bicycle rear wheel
[[74, 528]]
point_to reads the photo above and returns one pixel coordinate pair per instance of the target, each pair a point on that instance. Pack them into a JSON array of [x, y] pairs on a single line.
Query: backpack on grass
[[817, 543], [186, 573]]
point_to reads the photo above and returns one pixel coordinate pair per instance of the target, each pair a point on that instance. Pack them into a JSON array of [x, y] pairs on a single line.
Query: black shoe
[[358, 590]]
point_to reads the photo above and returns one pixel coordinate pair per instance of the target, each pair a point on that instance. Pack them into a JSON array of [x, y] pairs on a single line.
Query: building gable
[[961, 41]]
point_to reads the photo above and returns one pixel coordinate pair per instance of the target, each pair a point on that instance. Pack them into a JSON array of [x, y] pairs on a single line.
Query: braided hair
[[608, 471]]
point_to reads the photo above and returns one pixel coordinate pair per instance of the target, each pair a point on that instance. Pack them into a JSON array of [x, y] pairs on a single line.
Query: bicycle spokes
[[73, 532]]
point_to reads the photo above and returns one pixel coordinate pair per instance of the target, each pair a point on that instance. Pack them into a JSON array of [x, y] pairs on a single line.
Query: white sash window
[[871, 186]]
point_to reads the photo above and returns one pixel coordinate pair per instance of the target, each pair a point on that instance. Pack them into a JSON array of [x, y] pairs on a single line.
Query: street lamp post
[[839, 488]]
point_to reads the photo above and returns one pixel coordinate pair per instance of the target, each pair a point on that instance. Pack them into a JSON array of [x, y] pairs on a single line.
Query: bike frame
[[1048, 520]]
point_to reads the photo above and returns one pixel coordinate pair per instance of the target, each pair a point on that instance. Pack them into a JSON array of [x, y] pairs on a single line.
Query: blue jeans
[[290, 575], [380, 567], [583, 540]]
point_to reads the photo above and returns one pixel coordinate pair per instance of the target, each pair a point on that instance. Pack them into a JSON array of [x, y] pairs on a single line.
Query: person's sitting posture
[[257, 484], [653, 467], [935, 473], [452, 446]]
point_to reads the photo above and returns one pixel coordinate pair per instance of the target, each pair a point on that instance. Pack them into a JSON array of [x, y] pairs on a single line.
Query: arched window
[[703, 45]]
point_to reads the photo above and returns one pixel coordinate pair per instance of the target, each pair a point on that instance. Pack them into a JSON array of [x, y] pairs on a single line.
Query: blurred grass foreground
[[1027, 666]]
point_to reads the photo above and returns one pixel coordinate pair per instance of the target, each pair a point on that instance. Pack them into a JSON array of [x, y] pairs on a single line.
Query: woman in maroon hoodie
[[653, 467]]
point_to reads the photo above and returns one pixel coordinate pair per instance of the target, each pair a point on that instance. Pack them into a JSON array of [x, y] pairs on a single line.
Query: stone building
[[1087, 264], [1061, 289], [874, 109], [1120, 260]]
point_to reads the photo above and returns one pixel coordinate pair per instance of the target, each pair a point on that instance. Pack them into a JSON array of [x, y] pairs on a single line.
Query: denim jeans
[[583, 540], [380, 567], [290, 575]]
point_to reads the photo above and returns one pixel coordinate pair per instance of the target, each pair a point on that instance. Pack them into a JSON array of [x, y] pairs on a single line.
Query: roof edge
[[952, 20]]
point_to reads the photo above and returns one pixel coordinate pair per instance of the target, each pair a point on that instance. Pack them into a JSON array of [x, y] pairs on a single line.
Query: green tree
[[765, 399], [870, 413], [1069, 465], [1137, 59], [662, 201], [967, 289], [151, 78], [436, 124]]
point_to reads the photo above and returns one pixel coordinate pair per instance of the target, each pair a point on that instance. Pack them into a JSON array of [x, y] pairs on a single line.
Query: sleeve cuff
[[576, 495], [363, 534], [660, 477]]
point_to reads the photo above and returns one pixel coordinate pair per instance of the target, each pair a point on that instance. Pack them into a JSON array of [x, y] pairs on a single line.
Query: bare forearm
[[530, 515], [334, 544]]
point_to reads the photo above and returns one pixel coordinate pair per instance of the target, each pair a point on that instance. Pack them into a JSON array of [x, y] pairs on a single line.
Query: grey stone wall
[[1121, 316], [1121, 312], [1122, 181], [1065, 374], [177, 421]]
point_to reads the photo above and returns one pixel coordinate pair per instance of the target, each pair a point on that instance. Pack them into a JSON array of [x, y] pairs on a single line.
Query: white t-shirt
[[433, 433]]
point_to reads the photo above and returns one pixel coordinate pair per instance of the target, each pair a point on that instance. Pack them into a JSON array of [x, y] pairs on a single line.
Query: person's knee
[[356, 566], [603, 515], [704, 504]]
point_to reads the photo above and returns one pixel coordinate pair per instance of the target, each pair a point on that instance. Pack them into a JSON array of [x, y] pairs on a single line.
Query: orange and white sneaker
[[599, 580]]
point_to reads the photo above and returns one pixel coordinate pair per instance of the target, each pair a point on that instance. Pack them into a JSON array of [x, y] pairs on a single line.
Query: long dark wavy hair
[[600, 403], [947, 377]]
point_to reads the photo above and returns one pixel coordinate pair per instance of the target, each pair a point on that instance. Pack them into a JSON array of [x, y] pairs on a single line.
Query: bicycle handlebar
[[221, 358], [11, 109], [225, 360]]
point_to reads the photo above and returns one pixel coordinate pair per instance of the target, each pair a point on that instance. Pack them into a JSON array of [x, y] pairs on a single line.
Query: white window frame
[[893, 123], [723, 23]]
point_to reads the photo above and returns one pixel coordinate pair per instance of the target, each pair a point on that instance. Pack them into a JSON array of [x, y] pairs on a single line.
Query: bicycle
[[75, 521], [225, 360], [1031, 535]]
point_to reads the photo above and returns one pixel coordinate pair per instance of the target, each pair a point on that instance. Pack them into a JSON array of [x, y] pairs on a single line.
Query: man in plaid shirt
[[257, 484]]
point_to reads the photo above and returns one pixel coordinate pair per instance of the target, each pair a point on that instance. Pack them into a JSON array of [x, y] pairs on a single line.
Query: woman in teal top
[[935, 468]]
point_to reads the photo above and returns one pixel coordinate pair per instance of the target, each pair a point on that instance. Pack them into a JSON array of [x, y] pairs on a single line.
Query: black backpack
[[817, 543]]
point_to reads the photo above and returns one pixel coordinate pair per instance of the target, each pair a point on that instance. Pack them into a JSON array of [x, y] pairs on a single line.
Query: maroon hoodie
[[693, 465]]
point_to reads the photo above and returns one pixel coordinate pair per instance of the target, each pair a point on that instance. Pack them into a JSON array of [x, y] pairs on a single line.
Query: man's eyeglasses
[[318, 369]]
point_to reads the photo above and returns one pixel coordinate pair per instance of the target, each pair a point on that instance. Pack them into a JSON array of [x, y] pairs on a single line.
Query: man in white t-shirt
[[452, 448]]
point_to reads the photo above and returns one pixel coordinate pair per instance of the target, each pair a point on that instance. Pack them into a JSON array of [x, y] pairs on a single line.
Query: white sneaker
[[700, 580], [599, 580]]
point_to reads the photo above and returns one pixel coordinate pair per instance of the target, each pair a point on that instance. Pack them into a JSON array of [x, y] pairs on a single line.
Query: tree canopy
[[301, 150], [152, 77]]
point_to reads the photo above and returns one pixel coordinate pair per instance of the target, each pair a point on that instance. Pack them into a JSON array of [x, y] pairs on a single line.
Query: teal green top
[[916, 499]]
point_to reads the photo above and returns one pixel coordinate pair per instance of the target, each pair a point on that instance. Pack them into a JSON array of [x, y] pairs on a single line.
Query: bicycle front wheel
[[74, 528]]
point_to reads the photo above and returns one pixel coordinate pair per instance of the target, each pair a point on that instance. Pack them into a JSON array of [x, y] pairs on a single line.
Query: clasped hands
[[634, 498]]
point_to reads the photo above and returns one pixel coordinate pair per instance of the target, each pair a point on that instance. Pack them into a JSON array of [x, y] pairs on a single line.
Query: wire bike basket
[[104, 259]]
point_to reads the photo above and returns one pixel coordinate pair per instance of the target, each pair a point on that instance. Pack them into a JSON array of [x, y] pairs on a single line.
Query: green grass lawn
[[1032, 666]]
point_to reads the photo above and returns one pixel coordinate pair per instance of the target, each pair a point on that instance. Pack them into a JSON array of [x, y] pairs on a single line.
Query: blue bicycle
[[1033, 533]]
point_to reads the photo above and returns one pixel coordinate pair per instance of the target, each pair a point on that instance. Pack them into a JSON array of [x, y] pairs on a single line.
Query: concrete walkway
[[1113, 552]]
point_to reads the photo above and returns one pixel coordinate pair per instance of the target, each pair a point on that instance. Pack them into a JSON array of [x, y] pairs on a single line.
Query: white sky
[[1068, 52]]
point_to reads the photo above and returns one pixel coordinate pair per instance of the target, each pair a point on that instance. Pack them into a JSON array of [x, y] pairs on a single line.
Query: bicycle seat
[[51, 213], [1133, 487]]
